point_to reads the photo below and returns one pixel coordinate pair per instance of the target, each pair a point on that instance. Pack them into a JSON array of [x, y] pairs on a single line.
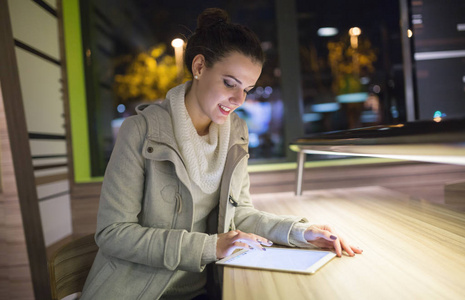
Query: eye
[[227, 84], [249, 92]]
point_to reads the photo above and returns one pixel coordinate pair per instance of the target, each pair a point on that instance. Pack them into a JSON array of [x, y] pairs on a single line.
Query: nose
[[238, 97]]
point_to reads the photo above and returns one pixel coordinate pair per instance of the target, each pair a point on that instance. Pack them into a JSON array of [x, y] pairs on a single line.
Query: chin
[[220, 121]]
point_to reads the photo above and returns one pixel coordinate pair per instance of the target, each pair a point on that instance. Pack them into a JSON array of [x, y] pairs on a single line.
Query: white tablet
[[279, 259]]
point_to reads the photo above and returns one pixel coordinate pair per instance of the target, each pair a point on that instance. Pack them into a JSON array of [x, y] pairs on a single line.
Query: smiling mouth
[[225, 110]]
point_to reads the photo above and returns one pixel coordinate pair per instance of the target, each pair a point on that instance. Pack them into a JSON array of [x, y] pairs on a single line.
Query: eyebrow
[[238, 81]]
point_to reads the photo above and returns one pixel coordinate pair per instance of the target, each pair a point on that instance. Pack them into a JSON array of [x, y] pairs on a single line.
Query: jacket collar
[[159, 122]]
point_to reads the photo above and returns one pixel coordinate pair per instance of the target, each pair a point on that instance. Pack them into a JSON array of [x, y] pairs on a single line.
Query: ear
[[198, 64]]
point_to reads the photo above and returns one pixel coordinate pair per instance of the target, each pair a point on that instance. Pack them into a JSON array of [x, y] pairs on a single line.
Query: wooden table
[[412, 249], [437, 142]]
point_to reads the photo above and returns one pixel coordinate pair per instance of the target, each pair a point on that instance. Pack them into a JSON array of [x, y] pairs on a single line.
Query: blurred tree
[[148, 77], [349, 64]]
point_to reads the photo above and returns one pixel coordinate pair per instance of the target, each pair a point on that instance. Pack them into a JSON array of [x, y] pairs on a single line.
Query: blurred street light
[[178, 45], [354, 32]]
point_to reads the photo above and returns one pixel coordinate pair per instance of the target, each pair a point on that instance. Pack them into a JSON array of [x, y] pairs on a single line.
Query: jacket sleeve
[[248, 219], [119, 233]]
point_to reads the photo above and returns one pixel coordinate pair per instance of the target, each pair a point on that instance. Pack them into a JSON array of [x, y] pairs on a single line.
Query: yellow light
[[177, 43], [409, 33], [355, 31], [178, 55]]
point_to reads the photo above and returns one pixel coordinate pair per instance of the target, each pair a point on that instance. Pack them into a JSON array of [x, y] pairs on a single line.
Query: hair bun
[[212, 16]]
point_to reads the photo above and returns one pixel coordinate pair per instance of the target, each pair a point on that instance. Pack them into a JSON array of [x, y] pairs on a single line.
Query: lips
[[224, 110]]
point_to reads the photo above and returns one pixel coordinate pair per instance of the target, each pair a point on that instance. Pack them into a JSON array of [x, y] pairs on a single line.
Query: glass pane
[[130, 60], [439, 43], [347, 81], [351, 64]]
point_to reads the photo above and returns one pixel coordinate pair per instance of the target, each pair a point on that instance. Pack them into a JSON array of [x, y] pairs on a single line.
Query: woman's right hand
[[236, 239]]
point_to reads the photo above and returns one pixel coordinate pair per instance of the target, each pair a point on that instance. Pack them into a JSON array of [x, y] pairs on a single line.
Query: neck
[[201, 124]]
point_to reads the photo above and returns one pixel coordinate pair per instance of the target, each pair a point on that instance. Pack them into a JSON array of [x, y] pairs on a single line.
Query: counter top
[[412, 249]]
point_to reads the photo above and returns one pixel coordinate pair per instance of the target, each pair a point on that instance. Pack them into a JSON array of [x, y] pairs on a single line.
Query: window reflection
[[263, 113], [351, 64]]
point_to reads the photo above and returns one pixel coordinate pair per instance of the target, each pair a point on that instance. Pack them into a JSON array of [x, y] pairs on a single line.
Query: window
[[129, 60]]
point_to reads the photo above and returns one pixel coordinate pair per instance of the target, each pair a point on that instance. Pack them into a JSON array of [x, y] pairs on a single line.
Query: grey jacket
[[146, 213]]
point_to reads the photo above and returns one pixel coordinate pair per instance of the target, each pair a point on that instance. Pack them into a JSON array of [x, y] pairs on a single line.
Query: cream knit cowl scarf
[[204, 156]]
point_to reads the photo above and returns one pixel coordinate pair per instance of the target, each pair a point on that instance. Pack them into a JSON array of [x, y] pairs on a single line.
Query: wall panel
[[56, 218], [50, 189], [40, 86], [43, 147], [34, 26], [51, 171], [36, 59], [52, 3]]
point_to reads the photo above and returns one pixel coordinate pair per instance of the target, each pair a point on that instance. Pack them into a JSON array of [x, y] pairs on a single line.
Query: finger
[[249, 239], [263, 241], [233, 233], [327, 235], [259, 239], [337, 247], [356, 249], [240, 245], [346, 247], [230, 250]]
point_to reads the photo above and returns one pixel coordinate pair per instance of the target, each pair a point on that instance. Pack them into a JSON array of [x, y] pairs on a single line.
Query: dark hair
[[216, 37]]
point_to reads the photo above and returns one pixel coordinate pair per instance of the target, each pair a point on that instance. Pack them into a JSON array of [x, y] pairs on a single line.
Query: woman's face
[[223, 87]]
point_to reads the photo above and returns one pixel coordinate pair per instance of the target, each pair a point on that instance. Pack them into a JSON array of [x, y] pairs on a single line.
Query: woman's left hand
[[324, 236]]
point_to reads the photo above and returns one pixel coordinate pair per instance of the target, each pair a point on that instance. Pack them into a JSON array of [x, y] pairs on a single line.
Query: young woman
[[176, 191]]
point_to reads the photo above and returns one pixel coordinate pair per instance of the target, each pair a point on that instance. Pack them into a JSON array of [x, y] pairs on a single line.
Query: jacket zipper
[[178, 210], [230, 197], [232, 201]]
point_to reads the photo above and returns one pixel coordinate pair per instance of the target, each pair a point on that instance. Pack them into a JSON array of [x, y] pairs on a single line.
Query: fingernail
[[333, 237], [264, 249], [270, 242], [250, 247]]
